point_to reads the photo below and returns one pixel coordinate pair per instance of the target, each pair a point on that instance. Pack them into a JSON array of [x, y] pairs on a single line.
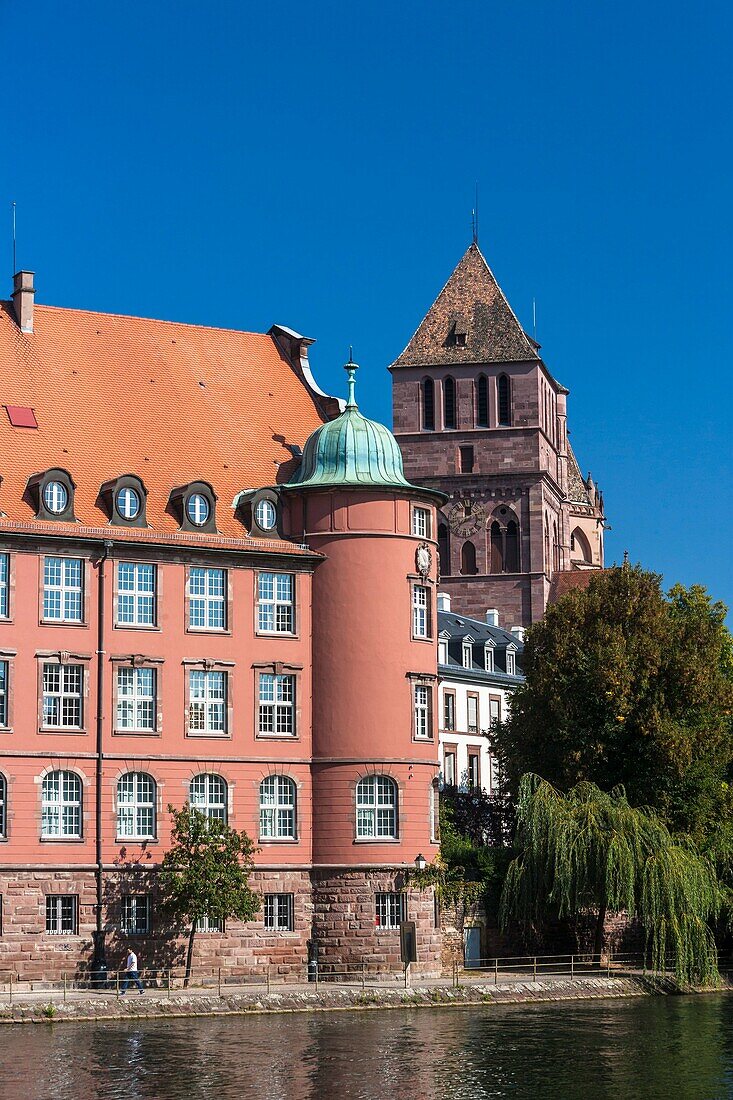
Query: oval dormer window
[[55, 497], [128, 502], [265, 515], [198, 509]]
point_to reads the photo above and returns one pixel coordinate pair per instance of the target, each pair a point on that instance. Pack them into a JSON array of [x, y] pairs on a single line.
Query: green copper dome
[[351, 451]]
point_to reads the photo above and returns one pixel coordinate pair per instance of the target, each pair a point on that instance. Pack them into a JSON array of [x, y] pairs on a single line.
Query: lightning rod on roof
[[474, 218], [15, 266]]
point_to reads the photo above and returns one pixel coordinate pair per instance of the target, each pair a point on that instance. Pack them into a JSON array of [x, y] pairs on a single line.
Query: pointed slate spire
[[469, 322]]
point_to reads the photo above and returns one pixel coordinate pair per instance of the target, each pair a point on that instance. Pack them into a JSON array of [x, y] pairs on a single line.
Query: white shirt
[[131, 961]]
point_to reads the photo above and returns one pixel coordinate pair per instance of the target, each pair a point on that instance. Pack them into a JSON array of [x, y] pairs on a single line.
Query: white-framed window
[[265, 514], [3, 806], [511, 663], [391, 909], [209, 924], [207, 711], [421, 522], [4, 667], [277, 704], [449, 710], [208, 794], [472, 710], [128, 502], [277, 808], [494, 712], [489, 658], [420, 611], [198, 509], [136, 698], [136, 806], [62, 914], [376, 808], [4, 586], [279, 915], [63, 695], [473, 773], [423, 698], [55, 497], [442, 653], [449, 768], [135, 914], [467, 651], [61, 804], [207, 598], [63, 590], [275, 603], [136, 588]]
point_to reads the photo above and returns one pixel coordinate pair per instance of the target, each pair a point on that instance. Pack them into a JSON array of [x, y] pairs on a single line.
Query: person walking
[[131, 974]]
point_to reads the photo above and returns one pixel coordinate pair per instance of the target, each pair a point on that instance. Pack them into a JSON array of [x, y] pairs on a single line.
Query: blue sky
[[314, 165]]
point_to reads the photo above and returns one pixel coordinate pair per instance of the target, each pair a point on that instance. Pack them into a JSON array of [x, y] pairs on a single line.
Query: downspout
[[99, 961]]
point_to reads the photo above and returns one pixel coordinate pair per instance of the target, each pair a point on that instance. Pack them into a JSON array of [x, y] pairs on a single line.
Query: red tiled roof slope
[[170, 402]]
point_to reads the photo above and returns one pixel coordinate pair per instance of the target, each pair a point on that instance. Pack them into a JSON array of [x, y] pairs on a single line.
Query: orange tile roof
[[172, 403]]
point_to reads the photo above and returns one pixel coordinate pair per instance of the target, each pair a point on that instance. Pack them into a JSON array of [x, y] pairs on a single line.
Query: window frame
[[136, 594], [275, 602], [62, 804], [65, 590], [54, 911], [473, 697], [6, 586], [63, 666], [489, 664], [511, 658], [449, 703], [449, 385], [137, 806], [208, 701], [473, 754], [372, 807], [450, 750], [137, 698], [130, 927], [421, 522], [277, 707], [270, 811], [392, 905], [422, 711], [208, 601], [274, 905], [422, 612], [3, 806], [208, 806]]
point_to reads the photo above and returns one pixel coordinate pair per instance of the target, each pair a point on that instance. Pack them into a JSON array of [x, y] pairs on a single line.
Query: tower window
[[449, 403], [468, 559], [428, 405], [466, 454], [482, 402], [444, 549], [505, 404]]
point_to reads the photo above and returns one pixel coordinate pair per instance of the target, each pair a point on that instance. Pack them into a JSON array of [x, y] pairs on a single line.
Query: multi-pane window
[[207, 711], [4, 587], [421, 522], [61, 914], [488, 658], [449, 769], [136, 593], [472, 708], [275, 603], [63, 692], [277, 703], [208, 795], [279, 914], [136, 806], [420, 611], [473, 774], [135, 914], [136, 698], [466, 650], [3, 806], [442, 653], [206, 599], [63, 590], [61, 795], [277, 808], [494, 711], [449, 711], [423, 708], [511, 663], [209, 924], [391, 909], [376, 808], [3, 694]]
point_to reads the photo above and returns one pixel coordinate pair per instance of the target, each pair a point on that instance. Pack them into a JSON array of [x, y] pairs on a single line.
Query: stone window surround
[[157, 597], [138, 660], [10, 617], [9, 655], [214, 768], [144, 767], [63, 764], [63, 657], [85, 592], [224, 631], [400, 817], [207, 664], [279, 770], [422, 679], [295, 632], [279, 668]]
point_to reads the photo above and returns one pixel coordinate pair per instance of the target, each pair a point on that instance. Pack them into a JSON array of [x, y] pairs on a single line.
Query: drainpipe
[[99, 960]]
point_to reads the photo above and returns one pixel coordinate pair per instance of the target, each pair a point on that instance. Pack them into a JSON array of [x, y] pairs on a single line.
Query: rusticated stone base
[[345, 929]]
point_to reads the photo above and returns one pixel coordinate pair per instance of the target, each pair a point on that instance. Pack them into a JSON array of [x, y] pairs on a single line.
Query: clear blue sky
[[313, 164]]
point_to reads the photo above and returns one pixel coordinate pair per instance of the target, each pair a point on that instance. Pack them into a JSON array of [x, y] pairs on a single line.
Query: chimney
[[518, 632], [23, 294], [492, 617], [443, 601]]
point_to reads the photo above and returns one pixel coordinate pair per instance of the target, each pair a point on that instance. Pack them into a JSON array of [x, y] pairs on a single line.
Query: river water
[[665, 1047]]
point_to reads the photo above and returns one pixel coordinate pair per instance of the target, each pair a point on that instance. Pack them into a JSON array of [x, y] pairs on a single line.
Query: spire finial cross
[[351, 368]]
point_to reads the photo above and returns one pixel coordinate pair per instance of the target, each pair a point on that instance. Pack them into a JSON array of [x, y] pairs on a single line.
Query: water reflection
[[655, 1048]]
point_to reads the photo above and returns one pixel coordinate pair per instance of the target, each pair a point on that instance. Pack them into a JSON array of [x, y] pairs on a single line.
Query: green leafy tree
[[589, 850], [625, 685], [206, 873]]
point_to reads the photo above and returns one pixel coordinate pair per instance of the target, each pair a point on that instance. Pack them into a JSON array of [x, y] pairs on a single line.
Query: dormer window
[[265, 515], [128, 502], [125, 500], [467, 655], [511, 663], [195, 506], [442, 653], [261, 513], [489, 658], [53, 494], [461, 339]]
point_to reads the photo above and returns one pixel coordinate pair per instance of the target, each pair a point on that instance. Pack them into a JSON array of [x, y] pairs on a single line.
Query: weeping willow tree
[[591, 850]]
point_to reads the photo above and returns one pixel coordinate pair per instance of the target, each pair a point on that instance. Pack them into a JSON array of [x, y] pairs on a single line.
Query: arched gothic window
[[580, 547], [468, 559], [547, 547], [504, 548], [555, 548], [511, 556], [505, 401], [482, 402], [444, 549], [376, 808], [497, 548], [449, 403], [428, 404]]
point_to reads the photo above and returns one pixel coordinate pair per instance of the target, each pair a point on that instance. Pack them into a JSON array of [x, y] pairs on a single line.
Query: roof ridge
[[137, 317]]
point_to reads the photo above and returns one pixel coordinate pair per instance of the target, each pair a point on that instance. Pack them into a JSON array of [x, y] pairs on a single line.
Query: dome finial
[[351, 368]]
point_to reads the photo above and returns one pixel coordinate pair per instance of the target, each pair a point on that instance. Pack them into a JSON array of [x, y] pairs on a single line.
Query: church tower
[[479, 416]]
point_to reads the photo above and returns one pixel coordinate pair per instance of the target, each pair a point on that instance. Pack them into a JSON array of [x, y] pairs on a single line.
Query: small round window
[[55, 497], [265, 515], [198, 509], [128, 503]]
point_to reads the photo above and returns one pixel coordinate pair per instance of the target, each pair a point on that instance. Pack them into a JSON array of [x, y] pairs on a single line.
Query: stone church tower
[[479, 416]]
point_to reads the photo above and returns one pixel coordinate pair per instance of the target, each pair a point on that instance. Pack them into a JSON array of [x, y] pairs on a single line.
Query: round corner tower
[[375, 745]]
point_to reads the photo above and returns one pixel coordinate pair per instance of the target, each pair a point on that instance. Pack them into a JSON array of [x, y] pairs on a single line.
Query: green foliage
[[625, 685], [592, 850], [206, 872]]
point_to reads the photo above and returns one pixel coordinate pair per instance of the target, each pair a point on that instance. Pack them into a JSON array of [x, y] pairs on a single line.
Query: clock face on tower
[[466, 517]]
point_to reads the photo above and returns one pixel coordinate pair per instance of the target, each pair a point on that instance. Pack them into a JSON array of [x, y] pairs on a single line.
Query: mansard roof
[[471, 306], [172, 403]]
